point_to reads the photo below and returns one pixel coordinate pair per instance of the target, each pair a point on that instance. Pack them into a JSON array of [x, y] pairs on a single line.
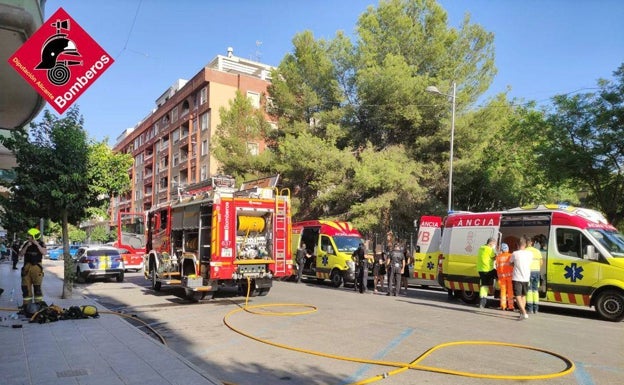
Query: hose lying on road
[[400, 366]]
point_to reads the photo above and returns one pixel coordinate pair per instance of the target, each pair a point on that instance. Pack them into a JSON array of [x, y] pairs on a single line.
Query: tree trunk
[[68, 263]]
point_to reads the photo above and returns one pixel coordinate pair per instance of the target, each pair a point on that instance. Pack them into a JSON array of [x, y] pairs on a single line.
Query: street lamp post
[[434, 90]]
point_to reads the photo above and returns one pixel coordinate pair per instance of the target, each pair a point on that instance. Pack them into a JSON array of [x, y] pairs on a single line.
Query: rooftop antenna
[[258, 54]]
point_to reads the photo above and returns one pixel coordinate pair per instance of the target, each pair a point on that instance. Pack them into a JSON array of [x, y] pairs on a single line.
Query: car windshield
[[102, 252], [611, 240], [347, 244]]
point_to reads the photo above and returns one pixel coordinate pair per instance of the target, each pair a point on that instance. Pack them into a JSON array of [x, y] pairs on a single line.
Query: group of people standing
[[518, 275], [393, 263]]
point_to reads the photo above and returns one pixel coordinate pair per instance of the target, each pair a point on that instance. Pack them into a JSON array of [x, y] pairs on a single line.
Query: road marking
[[381, 354], [581, 375]]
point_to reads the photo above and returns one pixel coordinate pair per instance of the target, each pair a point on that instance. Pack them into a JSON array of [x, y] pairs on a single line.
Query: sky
[[543, 47]]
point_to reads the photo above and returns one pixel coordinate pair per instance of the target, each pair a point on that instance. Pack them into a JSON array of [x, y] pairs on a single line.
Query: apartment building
[[171, 146]]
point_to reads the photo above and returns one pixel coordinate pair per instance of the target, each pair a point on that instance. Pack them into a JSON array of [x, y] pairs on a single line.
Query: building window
[[174, 114], [203, 96], [204, 147], [176, 135], [138, 194], [185, 107], [203, 175], [205, 121], [254, 98], [176, 159], [252, 148], [163, 183], [138, 160]]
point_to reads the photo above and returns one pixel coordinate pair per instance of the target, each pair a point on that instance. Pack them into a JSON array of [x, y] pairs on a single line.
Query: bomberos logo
[[60, 60]]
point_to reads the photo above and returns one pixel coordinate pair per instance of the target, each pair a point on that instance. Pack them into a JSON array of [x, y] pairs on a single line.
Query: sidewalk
[[107, 350]]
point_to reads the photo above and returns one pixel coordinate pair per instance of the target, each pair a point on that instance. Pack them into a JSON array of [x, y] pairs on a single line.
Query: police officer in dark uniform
[[33, 251], [302, 254], [361, 268], [396, 266]]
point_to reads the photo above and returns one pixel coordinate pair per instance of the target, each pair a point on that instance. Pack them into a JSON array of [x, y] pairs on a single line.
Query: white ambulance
[[583, 253]]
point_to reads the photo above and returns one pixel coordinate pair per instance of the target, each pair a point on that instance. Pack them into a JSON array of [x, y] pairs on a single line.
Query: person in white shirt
[[521, 261]]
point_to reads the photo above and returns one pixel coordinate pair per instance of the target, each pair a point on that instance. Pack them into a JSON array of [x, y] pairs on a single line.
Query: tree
[[584, 144], [58, 176], [107, 174], [242, 126]]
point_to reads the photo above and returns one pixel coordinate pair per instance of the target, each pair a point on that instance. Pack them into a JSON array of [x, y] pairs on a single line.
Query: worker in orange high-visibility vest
[[504, 270]]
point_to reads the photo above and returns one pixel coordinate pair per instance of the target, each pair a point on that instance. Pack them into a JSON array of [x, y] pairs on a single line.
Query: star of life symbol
[[325, 260], [574, 272], [430, 265]]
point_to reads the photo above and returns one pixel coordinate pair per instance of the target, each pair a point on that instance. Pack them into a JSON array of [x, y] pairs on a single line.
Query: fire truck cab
[[222, 237], [583, 254]]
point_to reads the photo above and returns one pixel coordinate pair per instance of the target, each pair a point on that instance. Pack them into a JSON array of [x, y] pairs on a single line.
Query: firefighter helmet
[[35, 233]]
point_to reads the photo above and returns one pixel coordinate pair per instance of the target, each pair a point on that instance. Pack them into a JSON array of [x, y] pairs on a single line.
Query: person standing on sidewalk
[[15, 247], [33, 251], [486, 270], [534, 281], [521, 262]]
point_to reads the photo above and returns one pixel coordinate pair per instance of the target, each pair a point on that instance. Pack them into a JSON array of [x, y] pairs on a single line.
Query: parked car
[[57, 253], [99, 262], [132, 261]]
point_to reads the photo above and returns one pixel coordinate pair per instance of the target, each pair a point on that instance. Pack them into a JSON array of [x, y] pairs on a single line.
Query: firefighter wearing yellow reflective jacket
[[486, 270], [33, 251], [534, 281]]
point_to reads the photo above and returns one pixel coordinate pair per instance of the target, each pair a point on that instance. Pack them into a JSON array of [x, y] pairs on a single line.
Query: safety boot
[[482, 303]]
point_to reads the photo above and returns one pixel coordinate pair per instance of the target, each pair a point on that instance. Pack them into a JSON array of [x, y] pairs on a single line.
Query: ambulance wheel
[[120, 277], [610, 305], [469, 297], [335, 278], [156, 285]]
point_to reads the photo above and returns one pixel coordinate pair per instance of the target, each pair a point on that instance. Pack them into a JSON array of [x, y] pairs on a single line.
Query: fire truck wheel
[[155, 283], [469, 297], [610, 305], [335, 278], [195, 295]]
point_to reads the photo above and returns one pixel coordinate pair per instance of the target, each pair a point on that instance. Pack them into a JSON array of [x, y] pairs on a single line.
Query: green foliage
[[107, 173], [584, 144], [99, 234], [241, 126], [76, 235]]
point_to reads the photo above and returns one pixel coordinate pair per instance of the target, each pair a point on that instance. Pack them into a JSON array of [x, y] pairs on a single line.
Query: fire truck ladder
[[282, 232]]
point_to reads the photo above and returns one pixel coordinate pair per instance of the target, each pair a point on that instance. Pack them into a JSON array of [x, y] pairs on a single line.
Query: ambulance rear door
[[428, 250], [463, 235]]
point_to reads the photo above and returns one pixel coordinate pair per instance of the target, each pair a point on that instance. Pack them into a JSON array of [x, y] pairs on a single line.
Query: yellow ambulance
[[330, 245], [583, 253]]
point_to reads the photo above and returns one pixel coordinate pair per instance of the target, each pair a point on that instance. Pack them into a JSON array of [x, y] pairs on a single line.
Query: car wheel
[[335, 278], [610, 305], [156, 285], [120, 277]]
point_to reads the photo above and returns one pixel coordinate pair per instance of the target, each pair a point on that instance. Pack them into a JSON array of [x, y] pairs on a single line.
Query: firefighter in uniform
[[504, 270], [33, 251], [361, 269]]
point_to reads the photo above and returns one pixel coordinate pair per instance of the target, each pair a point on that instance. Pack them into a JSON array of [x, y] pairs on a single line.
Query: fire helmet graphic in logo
[[53, 50]]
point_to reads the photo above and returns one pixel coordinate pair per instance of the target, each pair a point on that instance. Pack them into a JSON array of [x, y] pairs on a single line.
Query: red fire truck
[[221, 237]]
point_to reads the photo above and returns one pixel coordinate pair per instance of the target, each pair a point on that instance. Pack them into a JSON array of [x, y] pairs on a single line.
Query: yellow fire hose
[[400, 366]]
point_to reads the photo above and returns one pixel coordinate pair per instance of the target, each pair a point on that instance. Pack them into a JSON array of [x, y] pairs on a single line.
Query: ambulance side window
[[326, 245], [571, 242]]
